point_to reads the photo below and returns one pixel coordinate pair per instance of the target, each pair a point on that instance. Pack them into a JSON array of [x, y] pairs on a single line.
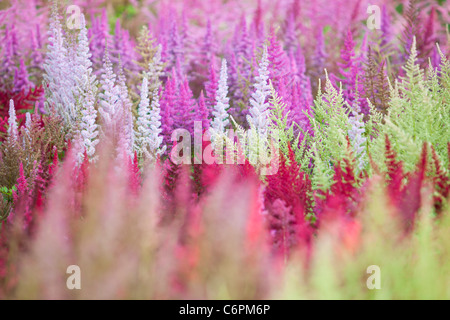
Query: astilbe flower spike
[[411, 28], [298, 64], [143, 120], [9, 59], [58, 77], [385, 27], [211, 86], [127, 136], [175, 48], [412, 198], [199, 224], [356, 137], [220, 114], [395, 173], [168, 102], [134, 174], [155, 70], [299, 108], [201, 112], [278, 66], [209, 46], [184, 107], [21, 78], [123, 48], [86, 92], [344, 187], [157, 148], [40, 183], [351, 72], [290, 36], [319, 61], [99, 38], [109, 107], [287, 199], [259, 112], [13, 130]]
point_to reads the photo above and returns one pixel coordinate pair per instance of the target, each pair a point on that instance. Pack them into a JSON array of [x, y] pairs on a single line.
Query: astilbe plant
[[220, 111], [360, 159], [375, 84], [288, 202], [351, 72], [258, 116], [23, 101]]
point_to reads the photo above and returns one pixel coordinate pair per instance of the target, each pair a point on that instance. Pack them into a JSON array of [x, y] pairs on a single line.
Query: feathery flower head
[[259, 112], [13, 130], [220, 114]]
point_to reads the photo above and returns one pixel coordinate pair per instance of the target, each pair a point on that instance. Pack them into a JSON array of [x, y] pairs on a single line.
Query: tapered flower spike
[[241, 53], [201, 112], [36, 46], [108, 96], [155, 71], [21, 81], [148, 136], [211, 86], [278, 66], [127, 134], [185, 107], [143, 132], [411, 28], [259, 111], [209, 48], [9, 59], [242, 42], [168, 102], [287, 199], [352, 74], [319, 58], [220, 114], [123, 48], [86, 91], [304, 81], [28, 121], [290, 36], [385, 27], [28, 125], [99, 38], [257, 25], [356, 136], [13, 130], [89, 128], [175, 47], [134, 174], [59, 76], [156, 138]]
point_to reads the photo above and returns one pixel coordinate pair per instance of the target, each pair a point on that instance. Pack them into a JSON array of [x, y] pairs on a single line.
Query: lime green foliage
[[280, 123], [330, 124], [419, 111]]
